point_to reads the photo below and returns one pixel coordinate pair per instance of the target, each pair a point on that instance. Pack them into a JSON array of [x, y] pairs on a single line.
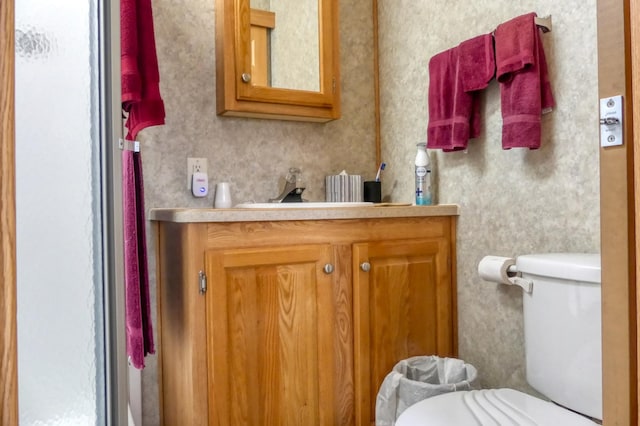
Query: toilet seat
[[489, 407]]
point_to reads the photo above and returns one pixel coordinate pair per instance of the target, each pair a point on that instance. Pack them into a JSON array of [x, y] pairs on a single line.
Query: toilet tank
[[562, 329]]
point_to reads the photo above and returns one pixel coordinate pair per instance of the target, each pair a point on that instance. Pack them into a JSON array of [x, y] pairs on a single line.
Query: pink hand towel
[[139, 67], [450, 107], [141, 99], [525, 90], [477, 67], [455, 77], [139, 331]]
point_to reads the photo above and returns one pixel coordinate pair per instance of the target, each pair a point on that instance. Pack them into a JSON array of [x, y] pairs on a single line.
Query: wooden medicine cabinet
[[278, 60]]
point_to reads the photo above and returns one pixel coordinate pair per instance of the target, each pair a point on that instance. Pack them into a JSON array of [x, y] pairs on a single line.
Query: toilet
[[563, 354]]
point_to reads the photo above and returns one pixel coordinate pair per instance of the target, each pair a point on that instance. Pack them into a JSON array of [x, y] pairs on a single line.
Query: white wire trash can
[[414, 379]]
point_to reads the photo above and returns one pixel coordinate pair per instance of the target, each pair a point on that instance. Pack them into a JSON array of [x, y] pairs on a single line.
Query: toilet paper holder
[[516, 279], [503, 270]]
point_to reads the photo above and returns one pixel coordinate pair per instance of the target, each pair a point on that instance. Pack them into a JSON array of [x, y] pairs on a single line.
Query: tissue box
[[343, 188]]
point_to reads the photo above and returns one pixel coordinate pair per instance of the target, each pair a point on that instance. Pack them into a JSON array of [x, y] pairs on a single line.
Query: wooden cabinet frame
[[235, 97], [187, 355]]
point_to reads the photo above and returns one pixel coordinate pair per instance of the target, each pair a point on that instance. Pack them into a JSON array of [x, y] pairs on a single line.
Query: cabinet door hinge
[[202, 282], [333, 86]]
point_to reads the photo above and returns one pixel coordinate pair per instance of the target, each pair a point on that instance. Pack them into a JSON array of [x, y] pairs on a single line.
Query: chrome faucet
[[293, 187]]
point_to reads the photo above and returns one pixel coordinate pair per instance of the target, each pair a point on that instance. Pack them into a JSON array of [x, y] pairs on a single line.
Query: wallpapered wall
[[252, 154], [512, 202]]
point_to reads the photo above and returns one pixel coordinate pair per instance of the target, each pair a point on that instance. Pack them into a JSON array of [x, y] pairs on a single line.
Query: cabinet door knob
[[246, 77], [365, 266], [328, 268]]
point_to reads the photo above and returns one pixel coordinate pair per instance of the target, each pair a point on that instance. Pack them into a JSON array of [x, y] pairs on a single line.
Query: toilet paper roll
[[495, 269]]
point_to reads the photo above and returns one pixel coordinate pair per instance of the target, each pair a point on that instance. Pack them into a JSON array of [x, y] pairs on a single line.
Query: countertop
[[191, 215]]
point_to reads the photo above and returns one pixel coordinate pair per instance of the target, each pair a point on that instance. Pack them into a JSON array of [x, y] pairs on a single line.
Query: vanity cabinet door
[[271, 336], [403, 306]]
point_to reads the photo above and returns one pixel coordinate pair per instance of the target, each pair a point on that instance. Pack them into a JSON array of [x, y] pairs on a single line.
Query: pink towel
[[142, 101], [450, 107], [139, 67], [477, 67], [139, 330], [525, 90], [455, 77]]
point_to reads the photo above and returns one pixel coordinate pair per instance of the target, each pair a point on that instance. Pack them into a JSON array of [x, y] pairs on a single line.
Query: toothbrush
[[380, 169]]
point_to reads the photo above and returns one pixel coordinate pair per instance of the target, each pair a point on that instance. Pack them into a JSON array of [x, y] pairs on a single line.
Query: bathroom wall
[[511, 202], [252, 154]]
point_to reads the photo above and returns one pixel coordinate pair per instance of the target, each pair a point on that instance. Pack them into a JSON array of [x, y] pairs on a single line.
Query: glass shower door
[[59, 214]]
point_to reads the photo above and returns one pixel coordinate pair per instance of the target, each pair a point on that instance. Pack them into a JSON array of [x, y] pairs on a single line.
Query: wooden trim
[[183, 339], [376, 83], [261, 22], [634, 10], [159, 309], [262, 18], [454, 283], [8, 338], [362, 339], [343, 231], [617, 221]]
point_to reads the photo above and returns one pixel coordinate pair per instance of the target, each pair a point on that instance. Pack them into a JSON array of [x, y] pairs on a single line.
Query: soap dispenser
[[423, 176]]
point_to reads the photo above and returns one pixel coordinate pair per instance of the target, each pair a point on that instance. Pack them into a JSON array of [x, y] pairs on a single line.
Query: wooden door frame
[[634, 10], [8, 338], [618, 217]]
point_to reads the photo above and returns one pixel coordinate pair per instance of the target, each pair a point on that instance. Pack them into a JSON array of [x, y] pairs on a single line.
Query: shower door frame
[[110, 123]]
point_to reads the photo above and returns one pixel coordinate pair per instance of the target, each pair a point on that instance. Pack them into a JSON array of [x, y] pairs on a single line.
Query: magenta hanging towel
[[141, 98], [139, 330], [455, 78], [525, 88], [143, 105]]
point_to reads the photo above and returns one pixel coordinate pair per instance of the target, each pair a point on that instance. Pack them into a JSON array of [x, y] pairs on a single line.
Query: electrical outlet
[[195, 165]]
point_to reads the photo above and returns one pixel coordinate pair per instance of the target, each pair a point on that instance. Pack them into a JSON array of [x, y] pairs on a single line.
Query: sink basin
[[304, 205]]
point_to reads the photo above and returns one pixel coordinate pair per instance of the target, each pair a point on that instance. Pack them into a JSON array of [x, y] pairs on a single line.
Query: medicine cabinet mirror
[[278, 59]]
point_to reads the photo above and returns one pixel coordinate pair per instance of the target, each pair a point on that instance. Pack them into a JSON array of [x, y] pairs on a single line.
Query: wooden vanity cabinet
[[403, 307], [277, 352], [300, 320]]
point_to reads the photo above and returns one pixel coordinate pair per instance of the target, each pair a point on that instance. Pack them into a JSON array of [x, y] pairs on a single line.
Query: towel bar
[[544, 23], [126, 145]]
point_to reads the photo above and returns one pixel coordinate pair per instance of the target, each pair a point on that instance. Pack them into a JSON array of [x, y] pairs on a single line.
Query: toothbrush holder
[[373, 191]]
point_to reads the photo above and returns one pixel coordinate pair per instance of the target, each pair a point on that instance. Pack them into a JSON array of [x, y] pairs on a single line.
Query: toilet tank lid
[[569, 266]]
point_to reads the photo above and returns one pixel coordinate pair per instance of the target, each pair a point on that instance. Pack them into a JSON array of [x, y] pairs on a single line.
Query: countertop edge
[[194, 215]]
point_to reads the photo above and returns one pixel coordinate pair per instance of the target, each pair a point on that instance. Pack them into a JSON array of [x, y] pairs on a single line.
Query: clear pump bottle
[[423, 176]]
